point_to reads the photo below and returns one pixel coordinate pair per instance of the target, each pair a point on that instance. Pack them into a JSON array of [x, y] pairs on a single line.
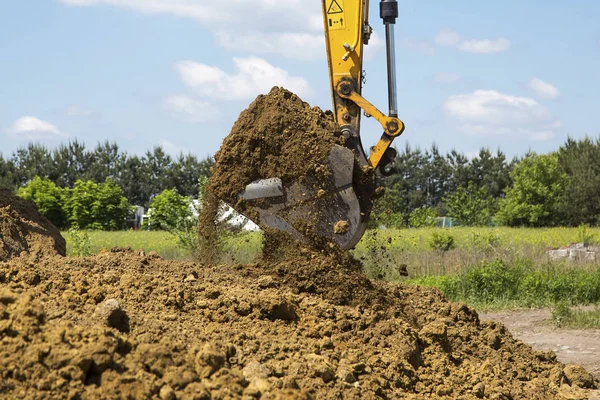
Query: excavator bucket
[[289, 167], [313, 209]]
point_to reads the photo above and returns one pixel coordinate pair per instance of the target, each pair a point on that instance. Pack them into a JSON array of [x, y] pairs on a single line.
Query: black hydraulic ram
[[388, 10], [389, 14]]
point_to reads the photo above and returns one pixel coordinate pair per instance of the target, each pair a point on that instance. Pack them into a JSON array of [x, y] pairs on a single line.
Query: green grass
[[564, 316], [241, 248], [383, 250], [396, 242], [163, 243]]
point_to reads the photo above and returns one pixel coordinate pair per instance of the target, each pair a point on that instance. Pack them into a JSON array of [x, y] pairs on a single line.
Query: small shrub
[[170, 211], [82, 244], [561, 313], [441, 241], [484, 240], [97, 206], [584, 234]]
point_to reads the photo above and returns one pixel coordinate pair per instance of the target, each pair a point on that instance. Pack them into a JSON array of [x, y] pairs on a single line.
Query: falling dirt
[[24, 230]]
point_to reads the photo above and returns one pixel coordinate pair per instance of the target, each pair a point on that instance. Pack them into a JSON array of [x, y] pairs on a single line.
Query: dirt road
[[535, 328]]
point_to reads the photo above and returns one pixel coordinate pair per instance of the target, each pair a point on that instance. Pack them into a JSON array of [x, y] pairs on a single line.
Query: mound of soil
[[278, 135], [128, 325], [23, 229]]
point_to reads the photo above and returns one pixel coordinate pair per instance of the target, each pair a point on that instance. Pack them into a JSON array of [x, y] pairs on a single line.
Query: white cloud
[[446, 77], [447, 38], [190, 110], [246, 22], [543, 89], [32, 128], [253, 76], [299, 46], [485, 46], [490, 113]]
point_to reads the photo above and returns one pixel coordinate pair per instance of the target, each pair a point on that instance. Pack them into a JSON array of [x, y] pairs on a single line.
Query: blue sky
[[512, 74]]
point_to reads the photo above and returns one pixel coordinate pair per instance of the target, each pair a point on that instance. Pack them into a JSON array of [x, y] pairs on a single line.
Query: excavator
[[343, 207]]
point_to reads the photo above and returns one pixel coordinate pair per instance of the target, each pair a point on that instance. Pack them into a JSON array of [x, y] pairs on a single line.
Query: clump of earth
[[278, 135]]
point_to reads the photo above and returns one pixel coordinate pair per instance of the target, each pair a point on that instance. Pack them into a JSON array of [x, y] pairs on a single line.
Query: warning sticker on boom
[[335, 14], [335, 8]]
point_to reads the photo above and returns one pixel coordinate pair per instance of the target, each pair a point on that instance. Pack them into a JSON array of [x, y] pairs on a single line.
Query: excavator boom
[[338, 208]]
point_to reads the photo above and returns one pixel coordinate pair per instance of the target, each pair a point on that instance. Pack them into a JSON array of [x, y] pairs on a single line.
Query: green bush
[[533, 199], [584, 235], [441, 241], [421, 217], [518, 282], [169, 211], [81, 242], [48, 198], [471, 206], [97, 206]]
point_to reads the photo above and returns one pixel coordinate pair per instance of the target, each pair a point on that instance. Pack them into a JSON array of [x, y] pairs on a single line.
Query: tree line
[[141, 177], [561, 188]]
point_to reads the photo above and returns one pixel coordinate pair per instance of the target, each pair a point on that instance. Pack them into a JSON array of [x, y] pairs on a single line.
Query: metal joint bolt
[[345, 89], [392, 126]]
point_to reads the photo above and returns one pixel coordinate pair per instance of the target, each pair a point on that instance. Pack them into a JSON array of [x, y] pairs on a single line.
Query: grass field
[[485, 267], [399, 242], [242, 248]]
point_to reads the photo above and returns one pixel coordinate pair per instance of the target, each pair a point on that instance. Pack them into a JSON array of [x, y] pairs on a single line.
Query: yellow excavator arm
[[347, 30], [334, 202]]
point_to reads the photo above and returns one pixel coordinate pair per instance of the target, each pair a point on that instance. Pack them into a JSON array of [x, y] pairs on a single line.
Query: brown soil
[[279, 135], [124, 325], [24, 230]]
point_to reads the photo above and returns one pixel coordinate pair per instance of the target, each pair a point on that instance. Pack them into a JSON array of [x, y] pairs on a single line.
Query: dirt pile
[[125, 325], [278, 135], [23, 229]]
